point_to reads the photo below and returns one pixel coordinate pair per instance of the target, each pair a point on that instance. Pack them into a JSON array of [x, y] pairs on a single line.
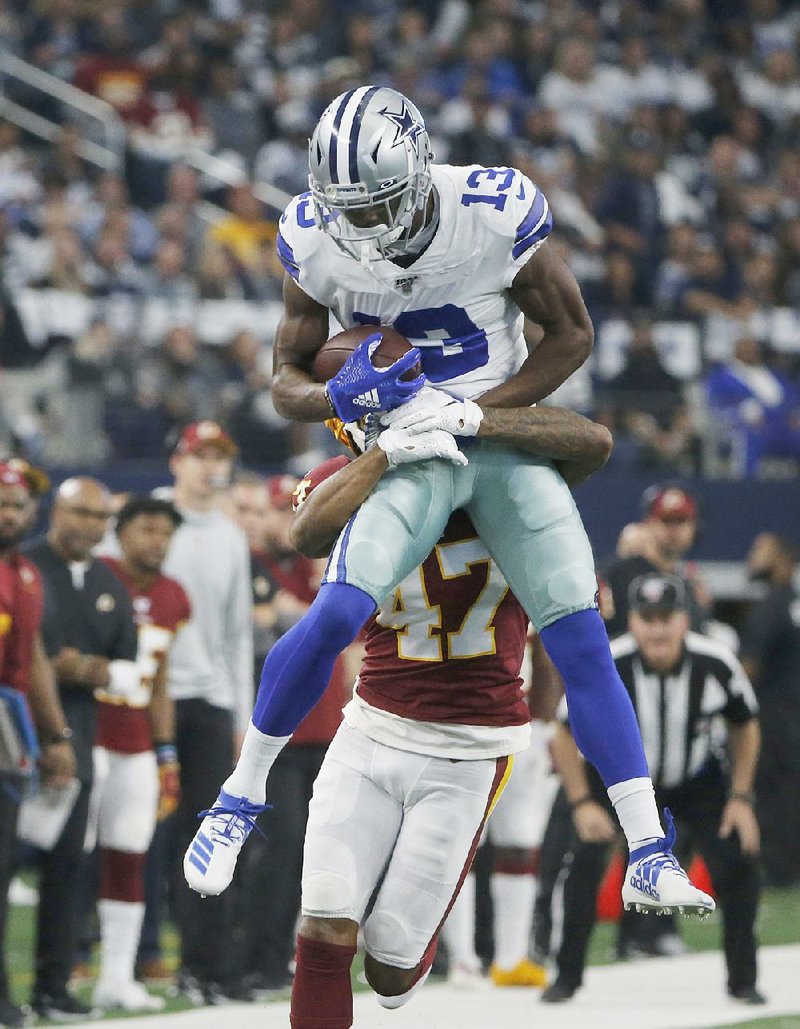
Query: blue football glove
[[359, 387]]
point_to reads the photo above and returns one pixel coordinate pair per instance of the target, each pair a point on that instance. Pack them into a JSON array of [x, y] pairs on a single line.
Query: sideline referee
[[698, 716]]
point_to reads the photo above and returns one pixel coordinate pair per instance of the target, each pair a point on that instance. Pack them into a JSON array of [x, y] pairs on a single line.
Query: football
[[335, 351]]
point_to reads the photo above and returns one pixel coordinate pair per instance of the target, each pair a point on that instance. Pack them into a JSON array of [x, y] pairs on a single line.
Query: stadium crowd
[[664, 134]]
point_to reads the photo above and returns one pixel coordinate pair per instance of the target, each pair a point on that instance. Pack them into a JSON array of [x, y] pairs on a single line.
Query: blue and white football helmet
[[369, 150]]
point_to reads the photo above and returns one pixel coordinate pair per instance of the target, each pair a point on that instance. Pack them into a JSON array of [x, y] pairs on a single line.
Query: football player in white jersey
[[454, 258]]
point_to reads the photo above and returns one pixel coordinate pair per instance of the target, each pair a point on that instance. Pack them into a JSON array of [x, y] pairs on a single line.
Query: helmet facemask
[[369, 172], [384, 240]]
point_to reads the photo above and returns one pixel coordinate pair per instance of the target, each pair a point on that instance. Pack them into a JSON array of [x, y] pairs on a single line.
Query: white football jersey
[[452, 301]]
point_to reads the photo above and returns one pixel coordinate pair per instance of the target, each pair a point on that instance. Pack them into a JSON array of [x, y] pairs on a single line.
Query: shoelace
[[237, 827], [660, 853]]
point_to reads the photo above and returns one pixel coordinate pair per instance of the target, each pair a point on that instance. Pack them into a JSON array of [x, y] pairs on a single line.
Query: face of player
[[79, 519], [660, 637], [672, 537], [16, 514], [251, 512], [145, 540], [199, 476]]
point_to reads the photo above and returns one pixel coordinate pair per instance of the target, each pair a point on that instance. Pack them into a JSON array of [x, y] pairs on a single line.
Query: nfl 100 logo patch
[[405, 285]]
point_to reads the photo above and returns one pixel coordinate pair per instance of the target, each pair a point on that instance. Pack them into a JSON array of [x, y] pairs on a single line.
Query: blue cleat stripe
[[198, 864], [202, 838]]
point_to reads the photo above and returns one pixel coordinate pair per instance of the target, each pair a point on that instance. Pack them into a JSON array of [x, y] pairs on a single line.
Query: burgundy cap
[[672, 504], [13, 477], [205, 434]]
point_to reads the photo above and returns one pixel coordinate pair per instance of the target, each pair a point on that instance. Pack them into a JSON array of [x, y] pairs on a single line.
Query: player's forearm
[[327, 509], [296, 395], [579, 445], [554, 360], [744, 742], [161, 711], [48, 715]]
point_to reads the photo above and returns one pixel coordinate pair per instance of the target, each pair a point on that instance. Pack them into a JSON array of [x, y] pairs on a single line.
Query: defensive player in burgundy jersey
[[455, 258], [136, 770], [412, 775]]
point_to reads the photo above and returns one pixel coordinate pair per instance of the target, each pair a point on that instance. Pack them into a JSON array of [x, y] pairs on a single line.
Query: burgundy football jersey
[[166, 606], [447, 645]]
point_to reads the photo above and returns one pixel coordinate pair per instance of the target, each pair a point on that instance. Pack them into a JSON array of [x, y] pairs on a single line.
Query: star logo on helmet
[[406, 126]]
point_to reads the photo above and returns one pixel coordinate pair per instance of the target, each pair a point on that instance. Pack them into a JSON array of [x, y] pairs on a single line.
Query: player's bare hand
[[738, 816], [593, 823], [401, 447], [57, 764]]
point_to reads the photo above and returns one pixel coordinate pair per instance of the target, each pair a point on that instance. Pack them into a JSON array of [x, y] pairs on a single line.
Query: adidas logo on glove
[[368, 399]]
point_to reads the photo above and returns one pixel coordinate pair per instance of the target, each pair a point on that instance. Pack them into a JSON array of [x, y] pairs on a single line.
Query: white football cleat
[[130, 996], [210, 861], [654, 881]]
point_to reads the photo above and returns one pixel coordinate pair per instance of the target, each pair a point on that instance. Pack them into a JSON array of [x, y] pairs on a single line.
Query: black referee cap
[[657, 593]]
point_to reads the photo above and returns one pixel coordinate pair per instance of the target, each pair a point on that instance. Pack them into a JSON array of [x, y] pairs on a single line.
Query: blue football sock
[[299, 666], [600, 710]]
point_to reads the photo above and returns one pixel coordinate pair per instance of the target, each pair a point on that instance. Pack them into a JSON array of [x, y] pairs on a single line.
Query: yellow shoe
[[525, 973]]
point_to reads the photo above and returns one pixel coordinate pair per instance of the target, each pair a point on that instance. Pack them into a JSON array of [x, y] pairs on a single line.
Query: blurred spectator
[[619, 294], [113, 271], [283, 160], [761, 406], [96, 376], [572, 89], [167, 278], [775, 89], [246, 234], [483, 138], [632, 206], [18, 182], [55, 40], [648, 404], [211, 681], [657, 544], [712, 288], [113, 72], [94, 648], [110, 211], [771, 657], [218, 277], [186, 380], [633, 79], [271, 895], [181, 210], [233, 114], [69, 269], [482, 57], [265, 438]]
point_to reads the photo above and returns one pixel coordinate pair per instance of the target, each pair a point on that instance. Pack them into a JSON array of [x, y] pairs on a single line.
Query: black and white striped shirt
[[683, 714]]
